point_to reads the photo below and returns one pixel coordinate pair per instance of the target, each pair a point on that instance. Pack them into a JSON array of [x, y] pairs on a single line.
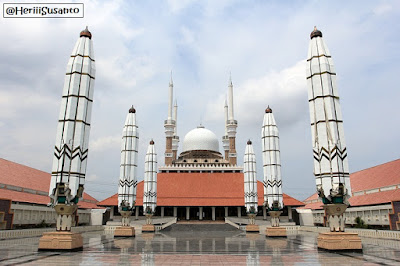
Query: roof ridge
[[25, 166], [375, 166]]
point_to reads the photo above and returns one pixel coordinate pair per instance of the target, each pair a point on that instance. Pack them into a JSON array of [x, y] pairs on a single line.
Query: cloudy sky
[[262, 43]]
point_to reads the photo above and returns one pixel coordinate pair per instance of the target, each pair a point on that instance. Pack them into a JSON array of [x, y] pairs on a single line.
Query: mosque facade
[[200, 182]]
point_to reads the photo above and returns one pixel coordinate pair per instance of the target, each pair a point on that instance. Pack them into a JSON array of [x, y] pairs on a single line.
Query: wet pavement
[[180, 247]]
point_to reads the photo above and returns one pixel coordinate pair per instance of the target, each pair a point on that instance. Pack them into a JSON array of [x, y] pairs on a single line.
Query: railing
[[168, 224], [23, 233], [386, 234], [227, 221]]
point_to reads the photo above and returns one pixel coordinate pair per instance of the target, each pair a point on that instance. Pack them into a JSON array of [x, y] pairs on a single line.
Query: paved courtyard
[[180, 247]]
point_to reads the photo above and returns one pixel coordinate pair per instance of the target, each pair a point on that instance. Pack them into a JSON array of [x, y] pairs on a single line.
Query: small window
[[205, 161], [195, 161], [216, 161], [184, 161]]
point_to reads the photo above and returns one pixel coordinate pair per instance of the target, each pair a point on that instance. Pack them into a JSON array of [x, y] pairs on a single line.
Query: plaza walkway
[[191, 247]]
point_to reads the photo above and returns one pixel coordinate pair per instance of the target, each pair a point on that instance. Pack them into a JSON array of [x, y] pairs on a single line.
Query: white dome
[[200, 139]]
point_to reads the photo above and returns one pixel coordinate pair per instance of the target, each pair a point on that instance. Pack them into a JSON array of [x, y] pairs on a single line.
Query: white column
[[150, 180], [187, 213], [200, 213], [271, 162], [264, 212], [213, 213], [226, 211], [290, 213], [162, 212], [331, 168], [129, 150], [175, 211], [111, 213], [239, 212]]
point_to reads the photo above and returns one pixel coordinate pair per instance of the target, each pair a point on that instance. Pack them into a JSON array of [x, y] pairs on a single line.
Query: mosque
[[201, 183]]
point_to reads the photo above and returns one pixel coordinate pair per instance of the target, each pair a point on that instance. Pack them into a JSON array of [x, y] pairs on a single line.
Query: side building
[[26, 189], [375, 199]]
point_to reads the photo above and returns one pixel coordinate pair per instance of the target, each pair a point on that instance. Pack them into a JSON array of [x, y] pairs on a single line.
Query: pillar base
[[61, 241], [339, 241], [124, 231], [275, 231], [252, 228], [148, 228]]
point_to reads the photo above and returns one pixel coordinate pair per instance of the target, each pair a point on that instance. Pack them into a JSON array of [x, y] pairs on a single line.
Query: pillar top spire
[[86, 33], [315, 33]]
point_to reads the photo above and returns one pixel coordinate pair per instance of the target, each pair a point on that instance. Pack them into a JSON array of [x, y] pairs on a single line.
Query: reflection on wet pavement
[[199, 248]]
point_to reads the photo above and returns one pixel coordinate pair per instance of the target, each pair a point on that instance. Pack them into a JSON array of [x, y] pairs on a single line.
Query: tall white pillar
[[226, 211]]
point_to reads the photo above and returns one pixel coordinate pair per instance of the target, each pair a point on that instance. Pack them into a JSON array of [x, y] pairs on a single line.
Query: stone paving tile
[[175, 248]]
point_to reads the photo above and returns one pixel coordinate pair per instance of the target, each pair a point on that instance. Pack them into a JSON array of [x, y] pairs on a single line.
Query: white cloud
[[284, 91], [382, 9], [105, 143], [177, 6]]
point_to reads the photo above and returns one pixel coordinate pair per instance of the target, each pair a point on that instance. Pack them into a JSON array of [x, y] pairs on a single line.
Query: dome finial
[[151, 142], [315, 33], [268, 110], [249, 142], [132, 110], [86, 33]]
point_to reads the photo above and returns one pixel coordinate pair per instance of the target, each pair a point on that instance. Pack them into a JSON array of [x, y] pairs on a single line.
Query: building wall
[[25, 214], [372, 215]]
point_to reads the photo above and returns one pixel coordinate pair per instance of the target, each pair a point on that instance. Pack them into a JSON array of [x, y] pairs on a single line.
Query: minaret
[[72, 139], [175, 138], [232, 125], [169, 126], [225, 138], [150, 185], [127, 177], [329, 148], [272, 165], [71, 147]]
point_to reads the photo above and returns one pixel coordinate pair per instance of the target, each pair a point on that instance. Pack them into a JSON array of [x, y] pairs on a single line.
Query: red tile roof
[[383, 175], [313, 206], [199, 189], [312, 197], [375, 198], [18, 175]]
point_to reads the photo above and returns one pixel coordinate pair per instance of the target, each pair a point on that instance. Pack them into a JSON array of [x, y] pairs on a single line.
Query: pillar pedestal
[[339, 241], [61, 241], [275, 231], [252, 228], [148, 228], [124, 231]]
